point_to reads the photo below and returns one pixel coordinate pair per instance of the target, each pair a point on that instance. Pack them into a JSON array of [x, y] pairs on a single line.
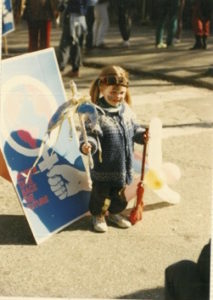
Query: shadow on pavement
[[84, 224], [14, 230], [150, 294]]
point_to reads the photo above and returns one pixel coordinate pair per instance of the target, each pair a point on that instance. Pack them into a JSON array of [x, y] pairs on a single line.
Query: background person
[[90, 18], [125, 19], [73, 33], [101, 23], [167, 13], [201, 16], [39, 15]]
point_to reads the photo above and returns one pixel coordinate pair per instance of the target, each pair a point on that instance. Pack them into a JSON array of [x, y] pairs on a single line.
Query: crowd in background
[[86, 23], [144, 11]]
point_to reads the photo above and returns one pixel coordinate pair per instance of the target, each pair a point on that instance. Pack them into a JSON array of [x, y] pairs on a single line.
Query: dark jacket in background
[[40, 10]]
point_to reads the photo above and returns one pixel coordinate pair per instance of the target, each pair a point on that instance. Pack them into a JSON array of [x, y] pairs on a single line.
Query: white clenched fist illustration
[[65, 181]]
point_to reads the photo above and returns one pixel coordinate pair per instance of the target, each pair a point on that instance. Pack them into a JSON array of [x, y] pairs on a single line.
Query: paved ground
[[178, 64], [78, 263]]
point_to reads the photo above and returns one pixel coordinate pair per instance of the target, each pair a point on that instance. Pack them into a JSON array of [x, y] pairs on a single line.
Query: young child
[[116, 135]]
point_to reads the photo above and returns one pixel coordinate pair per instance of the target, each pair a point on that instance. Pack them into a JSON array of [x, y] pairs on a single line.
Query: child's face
[[114, 94]]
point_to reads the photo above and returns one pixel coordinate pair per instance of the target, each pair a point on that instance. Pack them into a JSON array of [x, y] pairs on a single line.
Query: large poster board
[[57, 192], [7, 17]]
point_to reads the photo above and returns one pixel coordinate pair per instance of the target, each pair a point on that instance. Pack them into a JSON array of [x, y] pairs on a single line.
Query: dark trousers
[[201, 19], [180, 19], [167, 13], [39, 35], [106, 197], [183, 282], [124, 18], [69, 50], [90, 21]]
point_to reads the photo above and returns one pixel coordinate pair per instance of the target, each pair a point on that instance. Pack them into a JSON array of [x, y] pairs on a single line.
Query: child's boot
[[119, 221], [99, 223]]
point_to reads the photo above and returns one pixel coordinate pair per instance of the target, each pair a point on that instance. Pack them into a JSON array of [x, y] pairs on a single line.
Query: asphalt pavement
[[125, 264], [177, 64]]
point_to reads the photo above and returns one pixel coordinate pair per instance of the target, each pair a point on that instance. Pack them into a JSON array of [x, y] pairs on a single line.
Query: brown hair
[[109, 71]]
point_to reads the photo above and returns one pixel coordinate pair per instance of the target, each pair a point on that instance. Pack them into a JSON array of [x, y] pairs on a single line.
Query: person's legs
[[64, 47], [198, 30], [172, 28], [180, 20], [197, 26], [117, 205], [77, 28], [206, 32], [45, 32], [33, 39], [96, 24], [162, 15], [103, 23], [118, 200], [172, 21], [77, 38], [99, 204], [124, 19], [90, 21], [75, 56]]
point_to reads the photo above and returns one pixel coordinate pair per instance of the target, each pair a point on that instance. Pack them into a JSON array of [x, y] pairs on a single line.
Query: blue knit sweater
[[117, 133]]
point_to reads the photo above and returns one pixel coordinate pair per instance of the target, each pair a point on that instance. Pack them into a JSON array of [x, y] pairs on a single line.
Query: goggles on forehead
[[114, 80]]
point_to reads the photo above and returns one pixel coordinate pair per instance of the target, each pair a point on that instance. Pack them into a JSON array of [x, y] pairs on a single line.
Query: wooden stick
[[5, 45]]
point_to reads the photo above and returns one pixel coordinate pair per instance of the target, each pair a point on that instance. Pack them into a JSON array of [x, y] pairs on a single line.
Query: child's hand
[[86, 148], [146, 136]]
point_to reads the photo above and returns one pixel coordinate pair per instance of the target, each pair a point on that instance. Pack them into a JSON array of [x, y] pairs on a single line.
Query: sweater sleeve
[[139, 130], [91, 140], [92, 136]]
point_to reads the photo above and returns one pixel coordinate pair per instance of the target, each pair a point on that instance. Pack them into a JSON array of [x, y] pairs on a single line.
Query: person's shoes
[[204, 40], [209, 72], [196, 47], [170, 45], [119, 221], [161, 46], [198, 43], [102, 46], [177, 41], [61, 69], [99, 223], [126, 44], [72, 74], [89, 49]]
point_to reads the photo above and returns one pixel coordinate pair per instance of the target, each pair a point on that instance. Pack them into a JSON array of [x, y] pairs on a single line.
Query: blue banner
[[7, 17]]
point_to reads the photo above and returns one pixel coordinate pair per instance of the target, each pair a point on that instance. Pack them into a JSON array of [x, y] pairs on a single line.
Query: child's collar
[[109, 108]]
